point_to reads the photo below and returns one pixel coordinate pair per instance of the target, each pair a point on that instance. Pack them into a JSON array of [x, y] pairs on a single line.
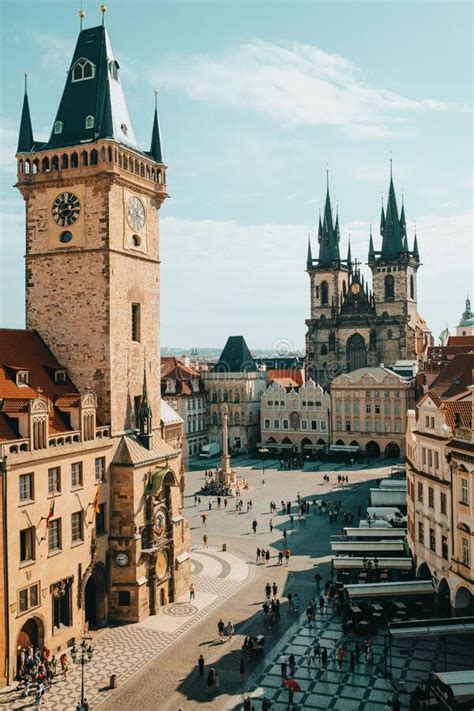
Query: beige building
[[182, 388], [92, 467], [369, 409], [440, 478], [235, 382], [295, 419]]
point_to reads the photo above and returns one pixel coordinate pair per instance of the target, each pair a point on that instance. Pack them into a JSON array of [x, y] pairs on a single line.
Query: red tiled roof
[[72, 400], [294, 374], [463, 409], [7, 433], [455, 378], [15, 405], [461, 341], [285, 382], [28, 348]]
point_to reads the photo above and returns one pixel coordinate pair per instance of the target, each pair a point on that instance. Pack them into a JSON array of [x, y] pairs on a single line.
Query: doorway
[[95, 599], [30, 635]]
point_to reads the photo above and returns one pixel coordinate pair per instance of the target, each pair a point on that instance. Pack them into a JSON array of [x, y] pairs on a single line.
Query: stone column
[[225, 443]]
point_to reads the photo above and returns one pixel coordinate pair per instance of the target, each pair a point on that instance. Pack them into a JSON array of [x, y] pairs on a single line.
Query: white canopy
[[459, 683], [412, 587], [347, 563], [370, 533], [367, 547]]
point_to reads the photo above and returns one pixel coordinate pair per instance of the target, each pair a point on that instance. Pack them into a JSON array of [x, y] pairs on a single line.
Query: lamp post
[[82, 654], [264, 451]]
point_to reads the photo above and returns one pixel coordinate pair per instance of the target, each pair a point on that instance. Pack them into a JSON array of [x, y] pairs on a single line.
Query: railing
[[61, 440], [102, 432], [464, 433], [14, 447]]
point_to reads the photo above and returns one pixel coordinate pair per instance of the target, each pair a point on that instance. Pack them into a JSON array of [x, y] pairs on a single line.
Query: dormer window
[[23, 378], [170, 386], [114, 67], [60, 377], [90, 121], [82, 70], [124, 128], [58, 127]]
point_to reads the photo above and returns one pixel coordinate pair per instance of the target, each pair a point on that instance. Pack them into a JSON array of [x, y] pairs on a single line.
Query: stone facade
[[369, 408], [295, 420]]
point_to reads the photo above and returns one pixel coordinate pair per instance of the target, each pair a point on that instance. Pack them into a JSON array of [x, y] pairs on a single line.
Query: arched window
[[74, 160], [94, 157], [83, 69], [412, 287], [58, 127], [324, 292], [226, 397], [84, 158], [90, 121], [27, 166], [113, 66], [344, 289], [35, 166], [64, 161], [214, 397], [324, 349], [214, 418], [46, 165], [55, 163], [356, 352], [389, 287]]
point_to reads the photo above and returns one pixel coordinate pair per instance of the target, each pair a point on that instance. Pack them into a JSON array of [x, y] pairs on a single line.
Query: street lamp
[[263, 451], [82, 654]]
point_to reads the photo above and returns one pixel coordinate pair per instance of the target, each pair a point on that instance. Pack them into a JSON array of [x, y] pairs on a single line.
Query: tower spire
[[25, 136], [309, 258], [155, 146], [371, 245], [328, 233], [393, 230], [415, 247], [349, 255], [145, 414]]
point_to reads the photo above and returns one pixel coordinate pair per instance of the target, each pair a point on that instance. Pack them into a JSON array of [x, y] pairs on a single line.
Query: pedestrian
[[267, 556], [229, 630], [210, 509], [254, 526], [284, 666], [204, 541], [220, 629], [247, 704], [242, 669], [317, 580], [266, 704], [292, 663], [292, 518], [284, 534], [268, 590], [340, 656], [324, 659], [308, 659], [210, 679], [388, 706], [280, 557], [321, 604], [270, 523], [357, 651], [191, 592], [204, 519], [258, 556], [287, 555], [195, 500], [63, 662], [396, 703], [290, 602], [352, 661], [201, 665], [275, 589]]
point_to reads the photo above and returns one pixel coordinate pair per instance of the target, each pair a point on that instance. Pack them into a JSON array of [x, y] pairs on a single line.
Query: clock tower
[[92, 292], [92, 241]]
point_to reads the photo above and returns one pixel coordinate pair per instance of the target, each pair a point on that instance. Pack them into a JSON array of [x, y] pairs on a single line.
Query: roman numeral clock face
[[135, 214], [66, 209]]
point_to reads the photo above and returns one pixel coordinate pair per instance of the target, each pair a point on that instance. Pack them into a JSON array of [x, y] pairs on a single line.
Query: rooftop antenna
[[82, 15], [103, 9]]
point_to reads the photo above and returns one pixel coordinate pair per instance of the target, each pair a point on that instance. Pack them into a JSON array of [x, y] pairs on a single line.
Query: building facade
[[351, 326], [295, 420], [236, 383], [369, 409], [182, 388], [92, 198], [440, 481]]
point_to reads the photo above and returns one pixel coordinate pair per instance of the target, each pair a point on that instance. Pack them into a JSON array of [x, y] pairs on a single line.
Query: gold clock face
[[66, 209], [135, 214], [121, 559], [162, 564], [355, 288]]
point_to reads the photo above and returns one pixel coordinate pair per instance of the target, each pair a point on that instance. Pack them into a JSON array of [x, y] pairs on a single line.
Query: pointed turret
[[403, 222], [25, 136], [155, 146], [328, 236], [320, 228], [371, 245], [145, 416], [349, 255], [336, 227], [382, 220], [309, 258], [405, 244], [415, 248], [392, 243]]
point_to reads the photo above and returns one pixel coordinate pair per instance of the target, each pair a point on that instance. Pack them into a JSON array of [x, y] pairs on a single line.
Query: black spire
[[415, 248], [328, 236], [25, 137], [393, 230], [349, 255], [155, 146], [145, 416], [309, 258], [371, 245]]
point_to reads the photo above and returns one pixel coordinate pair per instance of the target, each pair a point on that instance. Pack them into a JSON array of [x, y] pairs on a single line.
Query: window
[[276, 424], [389, 288], [100, 526], [431, 497], [76, 474], [347, 408], [338, 407], [412, 287], [388, 426], [285, 424], [432, 540], [421, 533], [22, 378], [387, 408], [465, 551], [100, 469], [444, 547], [356, 424], [54, 535], [398, 426], [356, 407], [377, 409], [396, 408], [304, 424], [432, 422], [124, 598], [420, 491], [443, 506], [136, 323], [77, 527], [82, 70], [58, 127], [423, 455], [377, 425], [314, 424], [26, 487], [28, 598], [113, 67], [368, 409], [324, 292], [90, 121], [60, 377], [27, 544], [54, 480], [464, 492], [267, 424], [323, 425], [427, 421], [348, 425]]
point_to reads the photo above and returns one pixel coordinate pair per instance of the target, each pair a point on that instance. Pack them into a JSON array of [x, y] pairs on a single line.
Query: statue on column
[[226, 473]]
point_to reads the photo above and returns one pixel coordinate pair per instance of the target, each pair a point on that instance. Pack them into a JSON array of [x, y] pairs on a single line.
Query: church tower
[[92, 242]]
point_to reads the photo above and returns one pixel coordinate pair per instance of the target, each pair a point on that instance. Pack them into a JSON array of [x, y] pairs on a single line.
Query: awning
[[370, 533], [351, 449], [353, 563], [439, 627], [183, 557], [314, 446], [275, 445], [457, 685], [367, 547], [370, 590]]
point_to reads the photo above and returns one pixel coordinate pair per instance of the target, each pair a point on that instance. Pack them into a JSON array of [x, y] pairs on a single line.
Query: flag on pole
[[51, 512]]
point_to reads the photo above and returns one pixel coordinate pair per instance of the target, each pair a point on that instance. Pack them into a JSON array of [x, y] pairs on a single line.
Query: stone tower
[[92, 246]]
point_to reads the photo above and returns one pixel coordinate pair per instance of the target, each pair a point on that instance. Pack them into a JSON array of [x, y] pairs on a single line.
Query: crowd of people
[[37, 671]]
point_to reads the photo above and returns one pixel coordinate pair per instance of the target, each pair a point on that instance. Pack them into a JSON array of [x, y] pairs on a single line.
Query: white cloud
[[295, 84], [56, 51]]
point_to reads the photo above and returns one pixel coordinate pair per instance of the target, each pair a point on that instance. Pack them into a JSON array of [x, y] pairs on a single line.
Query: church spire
[[392, 243], [25, 136], [415, 247], [349, 255], [309, 258], [145, 415], [371, 245], [328, 235], [155, 146]]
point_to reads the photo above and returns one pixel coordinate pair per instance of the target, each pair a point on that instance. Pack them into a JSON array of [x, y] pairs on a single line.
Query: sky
[[257, 99]]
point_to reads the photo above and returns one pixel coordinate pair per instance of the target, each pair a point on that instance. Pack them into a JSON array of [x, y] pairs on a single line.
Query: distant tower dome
[[466, 324]]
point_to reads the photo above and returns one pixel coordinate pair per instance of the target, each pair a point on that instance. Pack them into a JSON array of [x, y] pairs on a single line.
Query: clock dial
[[162, 564], [66, 209], [355, 288], [135, 213], [159, 524], [121, 559]]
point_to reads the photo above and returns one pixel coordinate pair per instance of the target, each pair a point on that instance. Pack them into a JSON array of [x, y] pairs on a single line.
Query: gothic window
[[324, 349], [412, 287], [82, 70], [373, 340], [332, 341], [344, 289], [214, 418], [389, 287], [74, 160], [90, 121], [324, 292], [58, 127], [356, 352]]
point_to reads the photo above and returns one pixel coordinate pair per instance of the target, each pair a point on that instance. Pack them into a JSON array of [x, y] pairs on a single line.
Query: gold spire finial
[[103, 9]]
